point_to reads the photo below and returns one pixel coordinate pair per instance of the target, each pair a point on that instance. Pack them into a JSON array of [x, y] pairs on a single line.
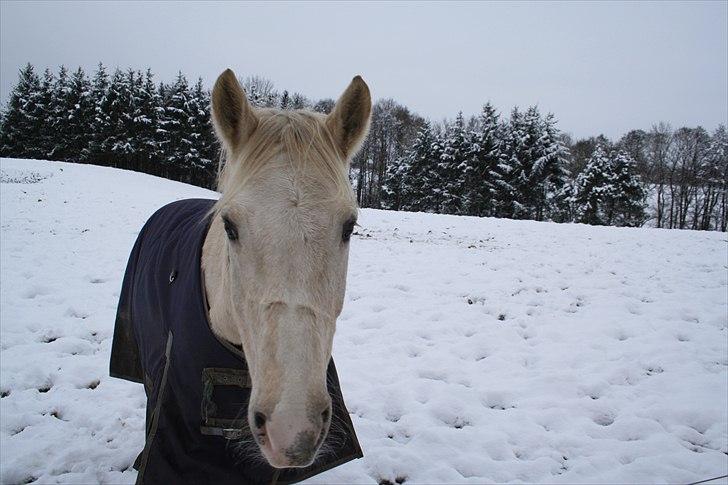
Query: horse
[[269, 258]]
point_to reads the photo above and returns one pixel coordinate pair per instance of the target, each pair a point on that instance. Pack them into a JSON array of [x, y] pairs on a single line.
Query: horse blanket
[[197, 385]]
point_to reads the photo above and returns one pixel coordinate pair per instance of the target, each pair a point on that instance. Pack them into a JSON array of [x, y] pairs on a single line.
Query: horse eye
[[348, 229], [230, 229]]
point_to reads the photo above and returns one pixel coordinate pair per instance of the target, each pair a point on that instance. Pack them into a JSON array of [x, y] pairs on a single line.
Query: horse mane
[[301, 136]]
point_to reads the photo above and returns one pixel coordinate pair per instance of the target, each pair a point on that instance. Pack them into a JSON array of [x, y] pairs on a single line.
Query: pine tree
[[147, 120], [59, 116], [420, 181], [532, 165], [20, 125], [608, 191], [592, 191], [324, 106], [113, 123], [627, 205], [394, 188], [99, 91], [299, 101], [79, 112], [454, 167], [177, 144], [484, 177], [285, 100], [44, 111], [513, 168], [552, 174], [201, 159]]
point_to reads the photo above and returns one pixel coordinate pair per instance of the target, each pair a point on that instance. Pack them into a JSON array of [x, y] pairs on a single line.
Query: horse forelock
[[302, 138]]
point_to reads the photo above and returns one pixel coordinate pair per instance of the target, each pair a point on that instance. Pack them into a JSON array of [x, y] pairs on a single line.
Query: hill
[[470, 350]]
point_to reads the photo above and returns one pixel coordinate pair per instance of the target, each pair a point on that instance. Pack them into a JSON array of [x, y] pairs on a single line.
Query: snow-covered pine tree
[[324, 106], [202, 159], [420, 184], [111, 116], [509, 200], [59, 116], [133, 125], [146, 120], [454, 167], [79, 111], [99, 91], [285, 100], [608, 191], [532, 165], [551, 168], [592, 189], [179, 148], [44, 111], [20, 126], [627, 204], [393, 186], [483, 178], [299, 101]]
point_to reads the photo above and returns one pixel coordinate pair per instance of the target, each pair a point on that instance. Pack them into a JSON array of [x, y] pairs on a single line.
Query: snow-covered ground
[[469, 350]]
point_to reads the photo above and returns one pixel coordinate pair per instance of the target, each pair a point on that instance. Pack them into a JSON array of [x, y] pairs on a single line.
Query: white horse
[[275, 257]]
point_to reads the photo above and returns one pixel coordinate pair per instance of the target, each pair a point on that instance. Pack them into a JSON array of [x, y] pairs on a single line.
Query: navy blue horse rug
[[197, 385]]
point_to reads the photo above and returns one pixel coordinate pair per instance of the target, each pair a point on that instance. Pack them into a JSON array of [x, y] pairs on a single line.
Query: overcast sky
[[600, 67]]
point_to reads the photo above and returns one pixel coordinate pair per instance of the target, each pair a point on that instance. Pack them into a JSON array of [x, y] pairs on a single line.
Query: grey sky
[[600, 67]]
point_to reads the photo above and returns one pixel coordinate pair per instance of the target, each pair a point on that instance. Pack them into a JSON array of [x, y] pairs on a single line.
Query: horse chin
[[281, 460]]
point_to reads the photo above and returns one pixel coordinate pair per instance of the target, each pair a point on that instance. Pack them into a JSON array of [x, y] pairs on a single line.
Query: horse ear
[[349, 120], [233, 117]]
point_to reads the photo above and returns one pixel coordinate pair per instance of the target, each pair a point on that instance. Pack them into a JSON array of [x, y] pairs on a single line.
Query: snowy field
[[470, 350]]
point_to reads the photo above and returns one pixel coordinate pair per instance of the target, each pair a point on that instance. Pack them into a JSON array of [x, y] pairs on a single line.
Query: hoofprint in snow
[[469, 350]]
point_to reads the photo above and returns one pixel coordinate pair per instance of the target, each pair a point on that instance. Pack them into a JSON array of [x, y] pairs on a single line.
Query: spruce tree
[[482, 181], [552, 174], [99, 91], [44, 112], [79, 112], [203, 155], [532, 165], [454, 167], [147, 120], [608, 191], [419, 177], [114, 109], [299, 101], [513, 168], [394, 189], [285, 100], [324, 106], [59, 116], [627, 205], [592, 189], [179, 148], [20, 125]]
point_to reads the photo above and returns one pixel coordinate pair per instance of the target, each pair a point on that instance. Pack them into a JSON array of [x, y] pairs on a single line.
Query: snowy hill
[[469, 350]]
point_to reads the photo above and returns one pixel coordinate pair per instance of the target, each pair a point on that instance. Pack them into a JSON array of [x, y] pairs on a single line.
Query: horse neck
[[217, 291]]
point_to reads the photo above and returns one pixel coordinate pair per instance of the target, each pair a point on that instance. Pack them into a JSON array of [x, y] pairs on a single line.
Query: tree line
[[520, 167]]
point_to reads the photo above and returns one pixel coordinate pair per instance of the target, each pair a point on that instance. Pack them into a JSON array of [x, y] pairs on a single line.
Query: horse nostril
[[259, 419], [325, 415]]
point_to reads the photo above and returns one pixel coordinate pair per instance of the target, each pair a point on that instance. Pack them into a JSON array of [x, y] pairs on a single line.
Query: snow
[[469, 350]]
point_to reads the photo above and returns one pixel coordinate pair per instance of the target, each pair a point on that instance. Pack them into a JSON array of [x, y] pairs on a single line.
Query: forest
[[519, 166]]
